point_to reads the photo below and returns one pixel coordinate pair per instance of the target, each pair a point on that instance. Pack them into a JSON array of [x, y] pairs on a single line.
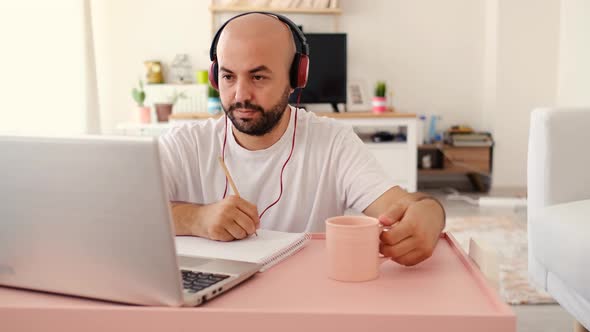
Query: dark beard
[[266, 123]]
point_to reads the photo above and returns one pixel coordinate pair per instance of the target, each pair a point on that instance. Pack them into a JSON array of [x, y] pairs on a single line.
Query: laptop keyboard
[[196, 281]]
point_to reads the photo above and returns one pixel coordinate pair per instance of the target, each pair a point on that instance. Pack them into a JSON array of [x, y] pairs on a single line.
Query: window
[[43, 73]]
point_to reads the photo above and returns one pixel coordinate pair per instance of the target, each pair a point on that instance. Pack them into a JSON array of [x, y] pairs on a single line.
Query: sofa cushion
[[562, 242]]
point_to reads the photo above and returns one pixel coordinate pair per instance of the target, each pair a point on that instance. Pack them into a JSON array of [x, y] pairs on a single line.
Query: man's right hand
[[229, 219]]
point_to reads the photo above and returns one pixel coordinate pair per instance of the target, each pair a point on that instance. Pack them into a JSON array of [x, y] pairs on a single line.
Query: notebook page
[[269, 247]]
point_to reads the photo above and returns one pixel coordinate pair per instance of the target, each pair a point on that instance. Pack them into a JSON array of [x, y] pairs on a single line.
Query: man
[[292, 169]]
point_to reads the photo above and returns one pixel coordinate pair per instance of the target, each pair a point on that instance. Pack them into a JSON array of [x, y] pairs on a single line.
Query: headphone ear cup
[[303, 71], [299, 71], [294, 71], [213, 75]]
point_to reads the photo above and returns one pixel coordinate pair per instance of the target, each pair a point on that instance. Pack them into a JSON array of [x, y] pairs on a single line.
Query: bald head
[[254, 55], [257, 34]]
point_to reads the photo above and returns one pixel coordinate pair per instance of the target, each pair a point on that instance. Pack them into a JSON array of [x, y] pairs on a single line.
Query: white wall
[[129, 32], [485, 63], [574, 60], [42, 88], [526, 77], [429, 51]]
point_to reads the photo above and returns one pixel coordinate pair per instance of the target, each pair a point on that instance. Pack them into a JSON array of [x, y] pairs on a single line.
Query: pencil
[[231, 181]]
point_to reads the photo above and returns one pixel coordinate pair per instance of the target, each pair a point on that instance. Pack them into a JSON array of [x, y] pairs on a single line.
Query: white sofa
[[559, 207]]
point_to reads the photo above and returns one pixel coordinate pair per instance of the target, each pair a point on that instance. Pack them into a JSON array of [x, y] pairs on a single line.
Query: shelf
[[386, 145], [365, 115], [216, 9], [447, 146], [193, 116], [445, 171], [342, 116], [317, 11]]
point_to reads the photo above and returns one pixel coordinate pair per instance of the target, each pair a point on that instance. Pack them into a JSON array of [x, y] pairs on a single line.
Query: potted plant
[[164, 109], [213, 101], [379, 100], [139, 97]]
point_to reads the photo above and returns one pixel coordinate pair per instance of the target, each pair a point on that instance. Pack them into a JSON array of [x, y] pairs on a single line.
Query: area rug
[[509, 238]]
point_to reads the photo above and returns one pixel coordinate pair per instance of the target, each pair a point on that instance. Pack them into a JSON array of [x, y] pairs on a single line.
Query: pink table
[[445, 293]]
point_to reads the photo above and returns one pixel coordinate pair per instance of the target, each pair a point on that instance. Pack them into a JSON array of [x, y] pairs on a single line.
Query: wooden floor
[[579, 328]]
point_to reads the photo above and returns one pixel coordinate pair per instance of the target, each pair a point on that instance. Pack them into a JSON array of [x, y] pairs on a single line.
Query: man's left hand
[[415, 230]]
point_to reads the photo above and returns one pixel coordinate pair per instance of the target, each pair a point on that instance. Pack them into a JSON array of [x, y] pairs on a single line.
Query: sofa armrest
[[558, 157]]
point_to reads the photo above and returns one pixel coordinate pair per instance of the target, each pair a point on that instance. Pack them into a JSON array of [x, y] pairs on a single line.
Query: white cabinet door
[[393, 157]]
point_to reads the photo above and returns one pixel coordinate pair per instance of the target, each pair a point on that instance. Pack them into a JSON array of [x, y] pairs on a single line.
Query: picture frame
[[357, 96]]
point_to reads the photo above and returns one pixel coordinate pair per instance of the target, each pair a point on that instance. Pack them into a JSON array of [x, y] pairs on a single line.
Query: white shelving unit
[[195, 101], [398, 159], [216, 9]]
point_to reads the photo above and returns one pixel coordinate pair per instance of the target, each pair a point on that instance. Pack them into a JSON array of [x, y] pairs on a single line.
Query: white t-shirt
[[330, 171]]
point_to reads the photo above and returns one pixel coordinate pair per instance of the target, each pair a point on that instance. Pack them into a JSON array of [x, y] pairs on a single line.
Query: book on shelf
[[279, 3], [473, 143], [472, 139], [229, 3], [321, 4], [306, 4], [259, 3]]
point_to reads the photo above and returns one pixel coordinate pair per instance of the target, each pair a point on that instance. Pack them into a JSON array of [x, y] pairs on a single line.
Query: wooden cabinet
[[475, 162], [467, 159]]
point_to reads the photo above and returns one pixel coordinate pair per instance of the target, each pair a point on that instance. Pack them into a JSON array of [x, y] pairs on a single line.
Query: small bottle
[[432, 129], [421, 130]]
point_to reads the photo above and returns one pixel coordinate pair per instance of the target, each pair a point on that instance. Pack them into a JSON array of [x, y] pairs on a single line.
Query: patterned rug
[[509, 238]]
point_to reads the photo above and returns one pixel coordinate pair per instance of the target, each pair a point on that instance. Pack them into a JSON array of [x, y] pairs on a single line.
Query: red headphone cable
[[284, 165]]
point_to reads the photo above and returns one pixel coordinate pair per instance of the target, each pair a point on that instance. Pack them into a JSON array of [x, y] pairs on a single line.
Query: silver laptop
[[88, 216]]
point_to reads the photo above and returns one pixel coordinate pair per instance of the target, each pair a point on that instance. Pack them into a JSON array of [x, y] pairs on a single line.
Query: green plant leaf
[[138, 96], [380, 89], [212, 92]]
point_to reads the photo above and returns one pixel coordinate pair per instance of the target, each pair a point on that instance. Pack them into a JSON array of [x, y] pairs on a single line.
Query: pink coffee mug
[[353, 248]]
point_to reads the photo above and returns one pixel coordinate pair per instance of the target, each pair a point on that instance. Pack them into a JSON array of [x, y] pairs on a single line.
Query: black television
[[327, 70]]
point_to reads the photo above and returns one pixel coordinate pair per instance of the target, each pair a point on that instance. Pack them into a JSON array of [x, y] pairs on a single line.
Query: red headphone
[[299, 67], [297, 79]]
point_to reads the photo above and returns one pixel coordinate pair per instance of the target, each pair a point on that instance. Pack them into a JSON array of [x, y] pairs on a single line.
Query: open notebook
[[268, 248]]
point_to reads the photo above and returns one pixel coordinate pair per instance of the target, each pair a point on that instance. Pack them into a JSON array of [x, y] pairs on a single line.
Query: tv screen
[[327, 70]]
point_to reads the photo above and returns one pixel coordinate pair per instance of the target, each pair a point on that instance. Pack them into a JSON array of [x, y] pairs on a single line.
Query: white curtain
[[47, 73], [92, 119]]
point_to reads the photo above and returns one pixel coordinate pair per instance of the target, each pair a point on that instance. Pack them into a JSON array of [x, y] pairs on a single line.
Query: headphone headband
[[301, 45], [299, 67]]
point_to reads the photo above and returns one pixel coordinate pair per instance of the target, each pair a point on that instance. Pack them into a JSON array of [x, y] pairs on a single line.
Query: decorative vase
[[145, 114], [163, 112], [202, 77], [379, 105], [153, 72], [214, 105]]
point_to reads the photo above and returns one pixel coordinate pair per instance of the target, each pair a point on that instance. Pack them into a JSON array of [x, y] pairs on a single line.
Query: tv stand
[[335, 107], [397, 158], [305, 107]]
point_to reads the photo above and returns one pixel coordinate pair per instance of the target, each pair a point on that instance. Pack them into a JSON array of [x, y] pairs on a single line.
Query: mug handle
[[383, 259]]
